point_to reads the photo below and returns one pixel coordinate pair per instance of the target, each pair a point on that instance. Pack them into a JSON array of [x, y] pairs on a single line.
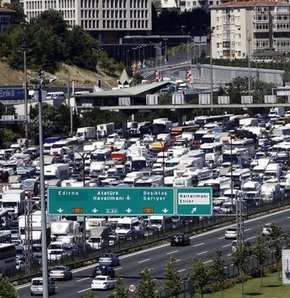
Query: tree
[[172, 284], [239, 87], [6, 289], [240, 257], [147, 285], [121, 290], [260, 250], [200, 275], [218, 271], [276, 236]]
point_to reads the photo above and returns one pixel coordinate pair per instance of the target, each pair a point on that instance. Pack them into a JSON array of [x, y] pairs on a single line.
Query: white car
[[36, 286], [102, 282], [267, 229], [231, 233]]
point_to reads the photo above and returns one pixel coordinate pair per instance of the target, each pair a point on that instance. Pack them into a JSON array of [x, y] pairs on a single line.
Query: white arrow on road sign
[[164, 210], [95, 210], [129, 210], [193, 210], [128, 198], [59, 210]]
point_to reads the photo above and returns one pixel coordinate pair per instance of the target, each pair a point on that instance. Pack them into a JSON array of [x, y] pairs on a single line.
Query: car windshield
[[58, 268], [37, 282], [100, 278]]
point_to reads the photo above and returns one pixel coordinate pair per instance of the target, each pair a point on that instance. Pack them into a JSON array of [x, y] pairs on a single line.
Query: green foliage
[[200, 275], [96, 116], [89, 295], [6, 289], [147, 285], [121, 290], [8, 136], [56, 120], [239, 87], [240, 256], [217, 269], [172, 285], [260, 250], [19, 17], [49, 41]]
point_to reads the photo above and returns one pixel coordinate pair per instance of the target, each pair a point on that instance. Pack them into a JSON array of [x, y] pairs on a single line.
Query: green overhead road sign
[[194, 201], [104, 201]]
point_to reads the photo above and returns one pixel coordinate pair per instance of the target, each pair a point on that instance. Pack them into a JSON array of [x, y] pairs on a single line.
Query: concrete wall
[[225, 74]]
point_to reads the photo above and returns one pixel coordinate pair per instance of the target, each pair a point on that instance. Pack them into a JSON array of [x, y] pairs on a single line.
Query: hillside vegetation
[[81, 77]]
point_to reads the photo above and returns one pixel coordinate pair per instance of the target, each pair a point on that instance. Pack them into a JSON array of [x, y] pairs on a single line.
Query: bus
[[7, 259], [248, 144], [178, 130], [219, 119], [101, 154]]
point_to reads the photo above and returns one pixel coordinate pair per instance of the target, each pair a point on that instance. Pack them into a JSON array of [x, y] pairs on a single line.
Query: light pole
[[39, 81], [25, 93], [70, 106], [249, 63], [211, 69]]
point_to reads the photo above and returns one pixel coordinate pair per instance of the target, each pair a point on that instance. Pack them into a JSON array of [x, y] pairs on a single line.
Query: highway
[[203, 246]]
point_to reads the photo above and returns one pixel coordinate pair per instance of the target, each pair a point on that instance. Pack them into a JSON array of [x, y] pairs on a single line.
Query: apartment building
[[242, 29], [108, 20]]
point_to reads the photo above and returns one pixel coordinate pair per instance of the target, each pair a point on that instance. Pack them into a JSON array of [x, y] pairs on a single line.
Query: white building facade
[[241, 29], [98, 15]]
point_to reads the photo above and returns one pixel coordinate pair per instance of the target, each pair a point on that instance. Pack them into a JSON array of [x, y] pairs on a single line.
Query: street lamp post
[[249, 63], [211, 68], [39, 82], [25, 93]]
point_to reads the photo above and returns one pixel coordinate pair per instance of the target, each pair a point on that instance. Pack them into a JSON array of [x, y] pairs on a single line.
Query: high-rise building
[[241, 29], [108, 20]]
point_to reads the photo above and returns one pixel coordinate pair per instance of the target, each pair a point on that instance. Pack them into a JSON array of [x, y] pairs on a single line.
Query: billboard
[[12, 93]]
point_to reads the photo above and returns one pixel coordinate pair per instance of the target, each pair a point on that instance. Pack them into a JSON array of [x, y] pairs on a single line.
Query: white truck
[[105, 129], [157, 221], [273, 170], [99, 237], [14, 200], [276, 112], [85, 133], [64, 228], [56, 171]]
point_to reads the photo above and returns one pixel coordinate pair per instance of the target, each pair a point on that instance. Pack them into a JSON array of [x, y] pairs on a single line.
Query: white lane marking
[[226, 245], [181, 270], [82, 279], [199, 244], [221, 238], [171, 252], [250, 238], [206, 262], [201, 253], [146, 260], [228, 255], [118, 268], [84, 290], [178, 260], [249, 229]]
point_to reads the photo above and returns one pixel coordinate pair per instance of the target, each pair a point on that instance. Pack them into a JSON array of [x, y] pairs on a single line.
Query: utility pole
[[25, 93], [39, 81], [28, 235], [249, 63], [211, 69]]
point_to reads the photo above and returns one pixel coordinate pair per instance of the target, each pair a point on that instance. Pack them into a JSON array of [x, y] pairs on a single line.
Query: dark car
[[109, 259], [180, 239], [103, 270]]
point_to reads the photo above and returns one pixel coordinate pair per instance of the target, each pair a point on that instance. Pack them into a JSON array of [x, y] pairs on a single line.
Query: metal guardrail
[[207, 223]]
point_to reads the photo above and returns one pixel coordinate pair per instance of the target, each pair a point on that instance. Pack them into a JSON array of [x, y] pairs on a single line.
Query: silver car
[[36, 286], [61, 272]]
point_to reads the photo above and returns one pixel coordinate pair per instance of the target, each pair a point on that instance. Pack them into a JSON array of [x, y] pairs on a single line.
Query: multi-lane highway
[[202, 246]]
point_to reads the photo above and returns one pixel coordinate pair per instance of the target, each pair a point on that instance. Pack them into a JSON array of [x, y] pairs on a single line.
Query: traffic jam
[[239, 157]]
